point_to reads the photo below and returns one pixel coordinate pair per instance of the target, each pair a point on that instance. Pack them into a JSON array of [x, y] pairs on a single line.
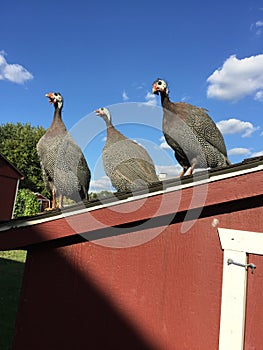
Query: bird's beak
[[97, 112], [155, 90], [50, 96]]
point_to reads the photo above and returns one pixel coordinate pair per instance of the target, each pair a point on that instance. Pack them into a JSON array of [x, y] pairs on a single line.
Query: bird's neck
[[110, 129], [108, 122], [165, 100], [57, 120], [114, 135]]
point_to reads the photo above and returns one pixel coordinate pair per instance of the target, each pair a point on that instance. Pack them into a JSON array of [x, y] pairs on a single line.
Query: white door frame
[[236, 245]]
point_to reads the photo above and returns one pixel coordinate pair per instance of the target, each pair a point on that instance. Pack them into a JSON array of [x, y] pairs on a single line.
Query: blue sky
[[108, 53]]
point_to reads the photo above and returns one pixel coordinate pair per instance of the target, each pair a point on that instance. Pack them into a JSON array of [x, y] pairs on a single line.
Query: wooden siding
[[161, 290], [8, 189], [164, 294], [9, 178], [7, 169]]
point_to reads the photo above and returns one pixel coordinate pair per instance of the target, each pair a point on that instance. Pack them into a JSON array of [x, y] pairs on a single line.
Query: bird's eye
[[55, 93], [159, 83], [102, 109]]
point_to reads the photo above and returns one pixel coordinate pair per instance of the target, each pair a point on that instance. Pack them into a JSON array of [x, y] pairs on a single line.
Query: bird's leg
[[60, 201], [53, 198], [192, 167], [183, 171], [191, 171]]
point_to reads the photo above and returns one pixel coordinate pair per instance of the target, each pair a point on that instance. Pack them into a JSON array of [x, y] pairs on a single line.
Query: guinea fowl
[[191, 133], [65, 170], [126, 163]]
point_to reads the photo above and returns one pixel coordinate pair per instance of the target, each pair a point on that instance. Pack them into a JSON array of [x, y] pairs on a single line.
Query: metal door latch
[[252, 266]]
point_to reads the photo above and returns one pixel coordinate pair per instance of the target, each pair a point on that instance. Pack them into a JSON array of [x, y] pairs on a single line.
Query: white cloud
[[257, 154], [100, 184], [237, 78], [235, 126], [244, 152], [259, 96], [185, 98], [125, 96], [164, 144], [13, 72], [257, 28], [138, 143], [150, 99], [169, 170], [239, 151]]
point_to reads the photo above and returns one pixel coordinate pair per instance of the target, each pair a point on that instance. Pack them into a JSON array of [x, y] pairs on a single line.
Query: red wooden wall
[[9, 177], [254, 307], [164, 293]]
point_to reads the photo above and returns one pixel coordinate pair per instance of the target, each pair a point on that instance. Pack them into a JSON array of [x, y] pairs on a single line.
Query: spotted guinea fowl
[[65, 170], [191, 133], [126, 163]]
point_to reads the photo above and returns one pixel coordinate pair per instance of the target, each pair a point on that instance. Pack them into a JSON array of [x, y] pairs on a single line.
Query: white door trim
[[236, 245]]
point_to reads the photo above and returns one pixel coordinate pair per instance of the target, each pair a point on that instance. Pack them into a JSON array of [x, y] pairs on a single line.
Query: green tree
[[18, 144], [26, 203], [100, 195]]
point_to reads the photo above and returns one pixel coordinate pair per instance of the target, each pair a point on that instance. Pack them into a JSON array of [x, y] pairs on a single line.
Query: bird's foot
[[51, 208]]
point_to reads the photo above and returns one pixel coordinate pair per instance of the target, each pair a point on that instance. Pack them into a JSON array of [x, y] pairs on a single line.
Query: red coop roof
[[8, 169]]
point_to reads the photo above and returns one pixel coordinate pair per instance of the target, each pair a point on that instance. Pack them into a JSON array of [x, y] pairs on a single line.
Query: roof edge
[[12, 166], [200, 178]]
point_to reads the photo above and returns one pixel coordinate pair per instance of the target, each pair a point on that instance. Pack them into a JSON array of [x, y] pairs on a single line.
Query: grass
[[11, 274]]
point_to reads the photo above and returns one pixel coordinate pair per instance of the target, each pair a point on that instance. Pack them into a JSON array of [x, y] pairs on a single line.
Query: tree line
[[18, 144]]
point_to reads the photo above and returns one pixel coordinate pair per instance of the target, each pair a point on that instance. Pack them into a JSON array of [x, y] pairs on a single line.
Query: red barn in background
[[9, 181], [169, 269], [44, 202]]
